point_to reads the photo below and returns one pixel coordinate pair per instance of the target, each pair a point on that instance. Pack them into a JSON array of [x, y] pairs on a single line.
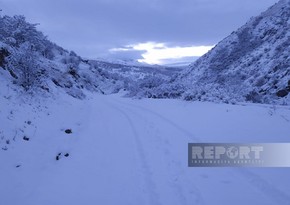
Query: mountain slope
[[252, 64]]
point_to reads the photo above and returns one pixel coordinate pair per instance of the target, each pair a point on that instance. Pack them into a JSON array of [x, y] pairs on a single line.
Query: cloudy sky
[[152, 31]]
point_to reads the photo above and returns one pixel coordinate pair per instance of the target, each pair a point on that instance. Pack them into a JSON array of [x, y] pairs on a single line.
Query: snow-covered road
[[124, 151]]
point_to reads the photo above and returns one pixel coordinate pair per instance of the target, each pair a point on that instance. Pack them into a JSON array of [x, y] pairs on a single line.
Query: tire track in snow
[[187, 133], [178, 174], [154, 197]]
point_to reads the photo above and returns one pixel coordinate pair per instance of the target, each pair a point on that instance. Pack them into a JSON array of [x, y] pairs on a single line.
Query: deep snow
[[125, 151]]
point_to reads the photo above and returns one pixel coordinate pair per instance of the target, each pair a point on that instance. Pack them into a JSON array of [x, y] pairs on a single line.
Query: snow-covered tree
[[23, 62]]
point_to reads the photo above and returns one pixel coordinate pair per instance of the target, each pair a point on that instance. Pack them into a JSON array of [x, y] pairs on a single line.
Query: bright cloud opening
[[157, 53]]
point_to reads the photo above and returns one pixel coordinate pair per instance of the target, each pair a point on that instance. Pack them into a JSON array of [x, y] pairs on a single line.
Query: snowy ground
[[124, 151]]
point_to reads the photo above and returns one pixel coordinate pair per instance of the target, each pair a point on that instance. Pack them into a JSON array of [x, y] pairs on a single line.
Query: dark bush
[[282, 93]]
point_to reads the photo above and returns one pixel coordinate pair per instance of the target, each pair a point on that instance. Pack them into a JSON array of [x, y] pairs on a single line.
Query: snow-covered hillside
[[106, 149], [252, 64]]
